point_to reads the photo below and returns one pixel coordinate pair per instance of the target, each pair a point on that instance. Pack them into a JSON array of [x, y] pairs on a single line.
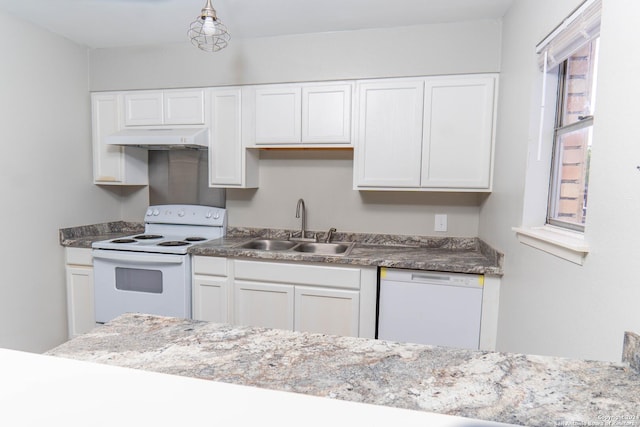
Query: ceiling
[[118, 23]]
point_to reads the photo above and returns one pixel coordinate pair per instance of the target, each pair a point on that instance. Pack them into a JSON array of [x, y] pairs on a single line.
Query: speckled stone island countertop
[[510, 388], [452, 254]]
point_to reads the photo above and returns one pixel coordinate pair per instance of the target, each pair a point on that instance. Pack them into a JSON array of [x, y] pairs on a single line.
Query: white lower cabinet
[[327, 311], [269, 305], [311, 297], [79, 278], [211, 293]]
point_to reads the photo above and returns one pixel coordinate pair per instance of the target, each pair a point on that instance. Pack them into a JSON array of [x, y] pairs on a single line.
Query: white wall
[[323, 179], [467, 47], [548, 305], [46, 178]]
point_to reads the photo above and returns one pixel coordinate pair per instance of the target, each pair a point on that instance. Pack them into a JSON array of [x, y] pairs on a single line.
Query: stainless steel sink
[[268, 245], [324, 248], [338, 248]]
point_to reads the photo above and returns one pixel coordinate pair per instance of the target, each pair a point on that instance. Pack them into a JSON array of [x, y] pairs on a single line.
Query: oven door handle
[[132, 257]]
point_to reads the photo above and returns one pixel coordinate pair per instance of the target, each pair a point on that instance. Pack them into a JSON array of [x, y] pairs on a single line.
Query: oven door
[[139, 282]]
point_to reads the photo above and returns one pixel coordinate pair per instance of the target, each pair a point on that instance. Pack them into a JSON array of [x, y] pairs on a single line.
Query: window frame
[[584, 122]]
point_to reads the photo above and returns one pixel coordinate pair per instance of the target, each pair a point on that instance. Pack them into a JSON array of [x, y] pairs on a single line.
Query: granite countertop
[[452, 254], [502, 387], [83, 236]]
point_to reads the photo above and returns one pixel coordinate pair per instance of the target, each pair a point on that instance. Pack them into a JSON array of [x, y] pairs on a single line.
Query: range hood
[[161, 139]]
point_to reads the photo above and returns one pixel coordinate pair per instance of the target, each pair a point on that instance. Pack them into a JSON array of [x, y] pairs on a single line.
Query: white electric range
[[151, 272]]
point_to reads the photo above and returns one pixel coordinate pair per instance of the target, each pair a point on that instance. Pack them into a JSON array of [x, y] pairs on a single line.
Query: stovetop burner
[[173, 243], [148, 236], [123, 241], [195, 239]]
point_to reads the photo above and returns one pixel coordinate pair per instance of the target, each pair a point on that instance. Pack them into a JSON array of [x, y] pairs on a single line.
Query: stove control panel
[[186, 214]]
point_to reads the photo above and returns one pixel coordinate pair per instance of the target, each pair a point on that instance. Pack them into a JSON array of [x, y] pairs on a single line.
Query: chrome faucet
[[303, 223]]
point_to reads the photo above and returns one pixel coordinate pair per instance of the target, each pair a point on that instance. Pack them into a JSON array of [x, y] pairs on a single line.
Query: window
[[575, 106], [557, 177]]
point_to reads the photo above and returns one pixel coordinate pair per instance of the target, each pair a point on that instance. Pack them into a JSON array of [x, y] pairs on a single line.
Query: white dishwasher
[[427, 307]]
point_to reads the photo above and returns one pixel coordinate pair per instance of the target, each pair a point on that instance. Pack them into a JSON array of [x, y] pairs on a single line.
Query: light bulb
[[209, 26]]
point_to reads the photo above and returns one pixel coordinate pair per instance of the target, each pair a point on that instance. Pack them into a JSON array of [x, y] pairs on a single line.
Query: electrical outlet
[[441, 222]]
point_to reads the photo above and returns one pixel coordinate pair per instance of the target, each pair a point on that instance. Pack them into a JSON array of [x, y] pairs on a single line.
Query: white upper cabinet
[[408, 134], [114, 165], [430, 134], [143, 108], [184, 107], [277, 114], [326, 113], [299, 114], [458, 124], [164, 108], [230, 164], [389, 144]]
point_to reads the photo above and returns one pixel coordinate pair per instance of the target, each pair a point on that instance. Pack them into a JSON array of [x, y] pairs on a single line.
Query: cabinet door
[[183, 107], [268, 305], [458, 132], [113, 165], [327, 311], [143, 108], [230, 165], [80, 311], [211, 299], [277, 114], [389, 136], [107, 159], [326, 113]]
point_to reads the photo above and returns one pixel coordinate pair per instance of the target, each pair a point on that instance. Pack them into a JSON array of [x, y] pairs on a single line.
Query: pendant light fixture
[[207, 32]]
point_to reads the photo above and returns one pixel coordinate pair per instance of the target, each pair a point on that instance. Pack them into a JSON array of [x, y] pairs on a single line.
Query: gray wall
[[548, 305], [467, 47], [46, 179], [322, 178]]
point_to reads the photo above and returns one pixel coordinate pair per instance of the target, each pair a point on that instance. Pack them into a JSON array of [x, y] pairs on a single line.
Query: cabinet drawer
[[79, 256], [301, 274], [212, 266]]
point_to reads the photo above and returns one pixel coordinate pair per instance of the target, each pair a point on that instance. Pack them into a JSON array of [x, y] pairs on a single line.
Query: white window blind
[[582, 26]]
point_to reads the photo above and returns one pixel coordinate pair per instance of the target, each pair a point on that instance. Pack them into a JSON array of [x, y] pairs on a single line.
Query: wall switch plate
[[441, 222]]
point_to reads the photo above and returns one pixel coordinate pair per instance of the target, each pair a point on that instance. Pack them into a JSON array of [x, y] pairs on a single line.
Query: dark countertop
[[503, 387], [83, 236], [451, 254]]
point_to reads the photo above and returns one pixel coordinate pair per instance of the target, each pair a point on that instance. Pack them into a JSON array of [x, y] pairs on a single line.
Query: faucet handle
[[329, 234]]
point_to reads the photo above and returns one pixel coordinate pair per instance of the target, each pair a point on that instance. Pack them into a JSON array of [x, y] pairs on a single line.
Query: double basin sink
[[340, 249]]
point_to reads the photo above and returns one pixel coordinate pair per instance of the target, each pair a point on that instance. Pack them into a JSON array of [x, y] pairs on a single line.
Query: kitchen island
[[509, 388]]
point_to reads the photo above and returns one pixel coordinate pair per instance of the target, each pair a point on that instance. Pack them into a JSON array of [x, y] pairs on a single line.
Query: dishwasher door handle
[[430, 278], [444, 280]]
